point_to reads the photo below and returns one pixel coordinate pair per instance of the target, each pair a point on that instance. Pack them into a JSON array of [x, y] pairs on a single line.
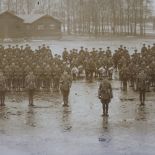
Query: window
[[52, 27], [40, 27]]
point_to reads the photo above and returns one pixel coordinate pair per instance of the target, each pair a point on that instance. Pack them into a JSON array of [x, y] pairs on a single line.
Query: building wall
[[14, 27], [45, 27], [11, 27]]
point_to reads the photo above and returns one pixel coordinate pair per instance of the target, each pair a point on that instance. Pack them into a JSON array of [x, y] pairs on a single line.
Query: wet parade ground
[[51, 129]]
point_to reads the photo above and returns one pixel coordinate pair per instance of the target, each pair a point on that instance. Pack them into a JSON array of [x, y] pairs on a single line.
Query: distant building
[[28, 26], [11, 26]]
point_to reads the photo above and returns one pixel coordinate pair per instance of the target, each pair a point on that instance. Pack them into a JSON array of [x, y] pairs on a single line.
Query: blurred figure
[[75, 72], [142, 83], [31, 85], [65, 85], [105, 95], [2, 89]]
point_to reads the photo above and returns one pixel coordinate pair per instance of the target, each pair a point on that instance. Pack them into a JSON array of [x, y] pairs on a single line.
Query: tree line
[[91, 17]]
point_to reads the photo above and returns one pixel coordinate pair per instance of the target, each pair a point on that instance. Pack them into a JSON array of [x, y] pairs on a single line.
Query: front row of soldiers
[[30, 81], [104, 92]]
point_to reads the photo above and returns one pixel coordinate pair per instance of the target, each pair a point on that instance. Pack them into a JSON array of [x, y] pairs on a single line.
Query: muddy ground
[[50, 129]]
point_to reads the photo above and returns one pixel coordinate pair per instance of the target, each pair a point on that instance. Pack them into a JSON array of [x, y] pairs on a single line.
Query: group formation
[[22, 68]]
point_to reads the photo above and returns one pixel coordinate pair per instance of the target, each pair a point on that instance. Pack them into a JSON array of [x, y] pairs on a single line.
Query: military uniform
[[2, 89], [142, 86], [65, 85], [105, 95], [56, 78], [31, 86]]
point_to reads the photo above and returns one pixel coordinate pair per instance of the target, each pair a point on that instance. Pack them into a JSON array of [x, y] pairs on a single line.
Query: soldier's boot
[[142, 103], [31, 104], [65, 104], [65, 98]]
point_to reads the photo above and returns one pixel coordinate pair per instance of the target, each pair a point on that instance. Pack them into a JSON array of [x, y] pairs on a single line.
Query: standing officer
[[65, 85], [105, 95], [31, 85], [2, 89]]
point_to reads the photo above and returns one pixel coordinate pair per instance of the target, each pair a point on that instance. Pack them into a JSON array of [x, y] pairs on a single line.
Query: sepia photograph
[[77, 77]]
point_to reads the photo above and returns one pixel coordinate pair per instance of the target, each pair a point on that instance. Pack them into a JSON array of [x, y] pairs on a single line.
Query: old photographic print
[[77, 77]]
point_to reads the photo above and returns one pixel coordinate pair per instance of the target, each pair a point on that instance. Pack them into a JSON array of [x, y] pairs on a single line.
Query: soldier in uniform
[[105, 95], [65, 54], [31, 85], [142, 82], [91, 69], [144, 49], [65, 85], [56, 77], [81, 51], [124, 75], [2, 89]]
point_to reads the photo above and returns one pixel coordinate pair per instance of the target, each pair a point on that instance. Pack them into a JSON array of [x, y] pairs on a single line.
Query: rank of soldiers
[[22, 68]]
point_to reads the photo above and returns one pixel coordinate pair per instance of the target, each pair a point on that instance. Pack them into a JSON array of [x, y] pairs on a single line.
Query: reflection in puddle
[[30, 117], [141, 113], [66, 120]]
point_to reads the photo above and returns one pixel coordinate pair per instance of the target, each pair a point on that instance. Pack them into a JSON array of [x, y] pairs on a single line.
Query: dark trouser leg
[[3, 98], [91, 76], [56, 85], [9, 84], [31, 93], [103, 106], [106, 108], [74, 76], [48, 84], [142, 97], [87, 75], [65, 97], [125, 85], [132, 82], [110, 76], [18, 84]]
